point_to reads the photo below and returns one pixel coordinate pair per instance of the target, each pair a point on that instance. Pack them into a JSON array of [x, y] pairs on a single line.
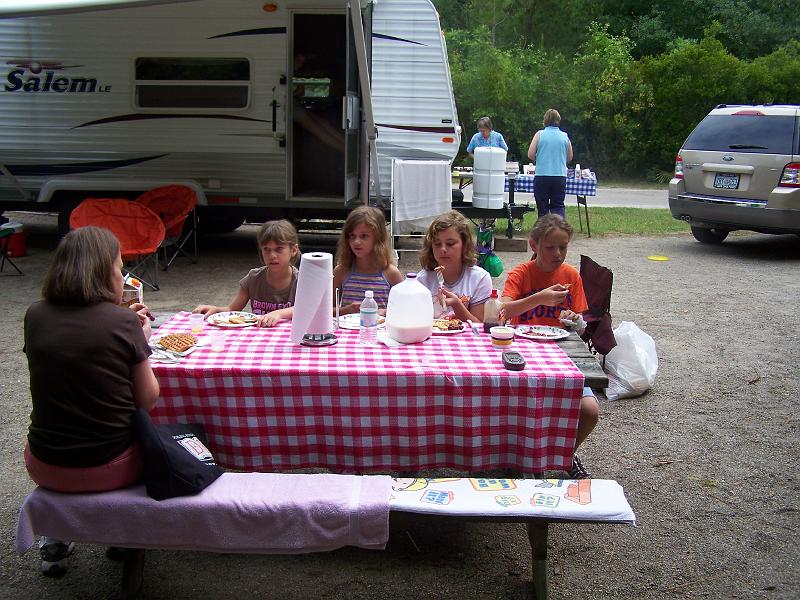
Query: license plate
[[726, 181]]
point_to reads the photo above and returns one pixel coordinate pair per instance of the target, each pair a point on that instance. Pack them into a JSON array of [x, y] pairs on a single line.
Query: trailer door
[[351, 118], [317, 142]]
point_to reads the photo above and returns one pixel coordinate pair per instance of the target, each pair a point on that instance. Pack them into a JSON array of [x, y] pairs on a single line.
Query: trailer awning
[[32, 8]]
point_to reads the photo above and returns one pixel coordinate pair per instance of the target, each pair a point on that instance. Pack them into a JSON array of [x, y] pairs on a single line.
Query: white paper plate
[[220, 319], [541, 332], [464, 327], [201, 341], [353, 321]]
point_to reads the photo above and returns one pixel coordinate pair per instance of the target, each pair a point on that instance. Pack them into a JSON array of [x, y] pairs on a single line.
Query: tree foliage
[[630, 79]]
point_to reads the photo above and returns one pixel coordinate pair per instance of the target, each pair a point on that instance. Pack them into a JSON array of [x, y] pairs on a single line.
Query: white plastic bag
[[632, 365]]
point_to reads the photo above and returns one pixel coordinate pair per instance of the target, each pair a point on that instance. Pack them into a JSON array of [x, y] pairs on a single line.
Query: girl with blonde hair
[[547, 291], [449, 247], [364, 260]]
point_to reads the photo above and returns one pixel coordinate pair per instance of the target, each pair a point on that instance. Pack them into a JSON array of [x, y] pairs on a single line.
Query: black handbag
[[177, 461]]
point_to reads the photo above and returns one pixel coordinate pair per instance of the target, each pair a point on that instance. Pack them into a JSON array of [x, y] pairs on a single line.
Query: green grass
[[613, 221]]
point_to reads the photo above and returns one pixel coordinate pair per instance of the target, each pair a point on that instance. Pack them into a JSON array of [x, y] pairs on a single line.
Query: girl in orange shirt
[[545, 291]]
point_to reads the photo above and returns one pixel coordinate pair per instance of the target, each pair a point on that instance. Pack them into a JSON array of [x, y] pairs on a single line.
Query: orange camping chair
[[175, 205], [138, 229]]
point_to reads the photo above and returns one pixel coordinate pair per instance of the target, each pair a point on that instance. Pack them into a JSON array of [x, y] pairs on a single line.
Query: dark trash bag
[[176, 459], [597, 283]]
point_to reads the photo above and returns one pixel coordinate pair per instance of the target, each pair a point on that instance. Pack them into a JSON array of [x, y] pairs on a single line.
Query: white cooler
[[489, 178]]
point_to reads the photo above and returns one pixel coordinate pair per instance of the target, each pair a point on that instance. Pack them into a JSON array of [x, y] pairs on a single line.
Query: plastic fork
[[442, 306]]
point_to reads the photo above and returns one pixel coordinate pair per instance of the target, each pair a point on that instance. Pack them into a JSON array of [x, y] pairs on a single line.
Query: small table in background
[[580, 188]]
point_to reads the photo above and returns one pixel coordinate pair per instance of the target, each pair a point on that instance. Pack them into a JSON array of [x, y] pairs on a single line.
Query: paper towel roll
[[313, 304]]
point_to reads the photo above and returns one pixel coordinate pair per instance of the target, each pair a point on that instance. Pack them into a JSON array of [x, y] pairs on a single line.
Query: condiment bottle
[[491, 312]]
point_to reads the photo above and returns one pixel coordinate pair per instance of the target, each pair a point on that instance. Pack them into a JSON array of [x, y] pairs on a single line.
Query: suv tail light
[[790, 176], [678, 167]]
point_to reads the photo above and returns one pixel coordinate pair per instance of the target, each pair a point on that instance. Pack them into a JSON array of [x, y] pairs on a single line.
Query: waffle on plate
[[177, 342], [448, 324]]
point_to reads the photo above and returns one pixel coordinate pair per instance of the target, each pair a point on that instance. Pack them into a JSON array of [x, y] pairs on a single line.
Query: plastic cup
[[217, 339], [502, 337], [197, 321]]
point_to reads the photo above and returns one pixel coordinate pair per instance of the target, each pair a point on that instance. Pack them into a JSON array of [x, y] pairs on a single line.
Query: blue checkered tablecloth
[[575, 187]]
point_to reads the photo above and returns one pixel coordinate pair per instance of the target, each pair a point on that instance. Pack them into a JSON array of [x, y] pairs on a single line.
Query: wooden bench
[[579, 352], [129, 518]]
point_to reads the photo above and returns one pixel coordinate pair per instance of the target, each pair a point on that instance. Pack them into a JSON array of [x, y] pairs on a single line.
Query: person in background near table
[[449, 244], [269, 289], [364, 260], [87, 358], [545, 290], [551, 150], [486, 136]]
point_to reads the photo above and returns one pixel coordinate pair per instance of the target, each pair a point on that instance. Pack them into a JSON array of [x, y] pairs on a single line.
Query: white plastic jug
[[489, 177], [409, 312]]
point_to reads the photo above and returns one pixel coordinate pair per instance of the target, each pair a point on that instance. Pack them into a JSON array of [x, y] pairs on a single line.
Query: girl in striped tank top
[[364, 260]]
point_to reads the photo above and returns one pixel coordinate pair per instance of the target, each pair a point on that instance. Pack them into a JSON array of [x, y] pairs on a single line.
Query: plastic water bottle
[[491, 312], [368, 322]]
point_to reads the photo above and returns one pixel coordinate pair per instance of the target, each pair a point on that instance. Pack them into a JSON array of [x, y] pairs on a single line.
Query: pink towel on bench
[[252, 513]]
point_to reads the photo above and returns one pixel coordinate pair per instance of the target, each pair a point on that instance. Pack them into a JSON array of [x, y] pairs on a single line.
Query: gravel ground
[[708, 457]]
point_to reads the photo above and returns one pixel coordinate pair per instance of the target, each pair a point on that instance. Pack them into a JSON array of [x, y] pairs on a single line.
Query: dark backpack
[[176, 459]]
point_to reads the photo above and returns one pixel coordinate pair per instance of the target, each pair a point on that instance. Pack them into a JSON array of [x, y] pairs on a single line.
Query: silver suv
[[739, 169]]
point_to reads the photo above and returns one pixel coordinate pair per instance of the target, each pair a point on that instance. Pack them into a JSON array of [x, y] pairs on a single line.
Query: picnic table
[[268, 404]]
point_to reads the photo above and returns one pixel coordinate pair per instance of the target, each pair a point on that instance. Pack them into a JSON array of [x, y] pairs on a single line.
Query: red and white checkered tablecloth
[[585, 186], [267, 404]]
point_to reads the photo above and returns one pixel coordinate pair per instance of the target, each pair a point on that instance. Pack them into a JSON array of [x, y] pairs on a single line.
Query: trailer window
[[192, 82]]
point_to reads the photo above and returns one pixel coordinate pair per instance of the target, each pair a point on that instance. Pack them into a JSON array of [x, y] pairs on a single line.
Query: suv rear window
[[759, 134]]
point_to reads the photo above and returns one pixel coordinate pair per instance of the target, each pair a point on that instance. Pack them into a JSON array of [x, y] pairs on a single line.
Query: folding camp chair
[[5, 240], [139, 230], [175, 205], [597, 284]]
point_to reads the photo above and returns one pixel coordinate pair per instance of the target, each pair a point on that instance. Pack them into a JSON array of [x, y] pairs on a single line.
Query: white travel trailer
[[292, 108]]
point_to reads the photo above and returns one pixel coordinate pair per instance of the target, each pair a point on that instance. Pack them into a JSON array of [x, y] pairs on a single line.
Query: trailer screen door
[[351, 118], [323, 143]]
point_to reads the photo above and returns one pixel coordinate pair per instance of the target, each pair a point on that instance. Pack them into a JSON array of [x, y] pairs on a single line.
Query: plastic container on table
[[502, 337], [489, 177], [409, 312]]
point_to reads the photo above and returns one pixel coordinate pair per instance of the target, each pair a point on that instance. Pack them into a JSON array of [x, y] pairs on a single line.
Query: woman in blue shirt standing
[[551, 150], [486, 137]]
